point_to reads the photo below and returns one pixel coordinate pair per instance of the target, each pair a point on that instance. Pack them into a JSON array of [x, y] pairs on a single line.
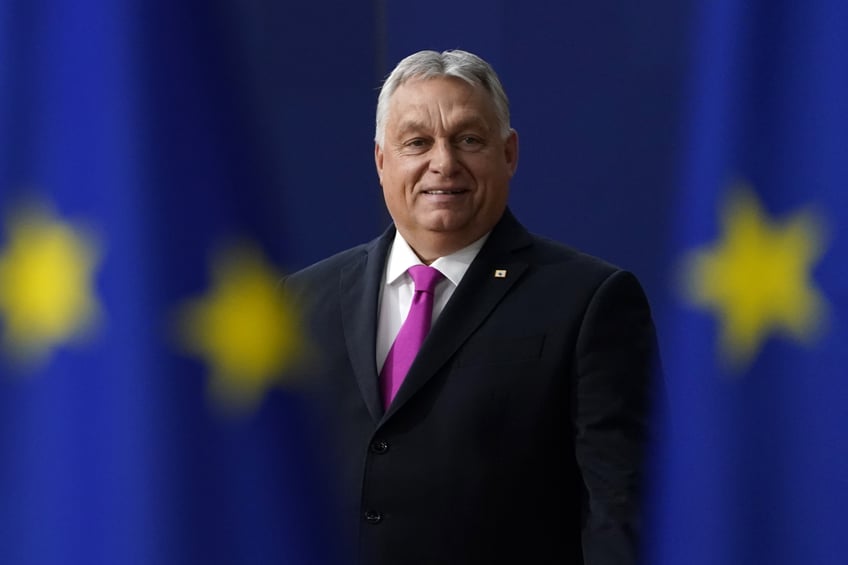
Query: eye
[[415, 139], [470, 142], [415, 145]]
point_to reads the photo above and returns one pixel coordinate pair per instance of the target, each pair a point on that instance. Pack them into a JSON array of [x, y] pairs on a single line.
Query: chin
[[447, 228], [446, 221]]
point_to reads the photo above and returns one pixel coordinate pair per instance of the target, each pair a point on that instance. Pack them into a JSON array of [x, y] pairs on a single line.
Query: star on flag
[[757, 279], [47, 270], [243, 328]]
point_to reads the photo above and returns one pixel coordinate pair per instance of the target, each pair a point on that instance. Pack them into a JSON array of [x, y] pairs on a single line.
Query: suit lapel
[[360, 291], [474, 299]]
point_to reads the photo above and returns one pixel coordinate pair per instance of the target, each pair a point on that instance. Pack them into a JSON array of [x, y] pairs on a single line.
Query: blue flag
[[147, 409], [752, 465]]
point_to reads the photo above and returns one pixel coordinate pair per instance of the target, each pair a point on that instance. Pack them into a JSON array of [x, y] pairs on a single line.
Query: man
[[517, 433]]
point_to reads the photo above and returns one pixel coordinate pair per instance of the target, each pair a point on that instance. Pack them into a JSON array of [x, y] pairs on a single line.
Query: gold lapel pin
[[500, 273]]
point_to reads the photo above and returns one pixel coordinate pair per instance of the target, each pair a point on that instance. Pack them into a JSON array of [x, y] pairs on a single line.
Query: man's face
[[444, 166]]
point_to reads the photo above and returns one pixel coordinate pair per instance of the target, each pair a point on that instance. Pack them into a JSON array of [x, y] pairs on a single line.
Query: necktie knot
[[425, 277]]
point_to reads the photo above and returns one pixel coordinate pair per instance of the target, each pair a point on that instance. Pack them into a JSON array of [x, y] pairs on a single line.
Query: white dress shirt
[[398, 288]]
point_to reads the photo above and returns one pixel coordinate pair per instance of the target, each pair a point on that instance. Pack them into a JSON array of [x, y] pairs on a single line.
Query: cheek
[[395, 195], [401, 177]]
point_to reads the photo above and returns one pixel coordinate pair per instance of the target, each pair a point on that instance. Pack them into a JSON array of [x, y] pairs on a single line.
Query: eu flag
[[147, 409], [752, 466]]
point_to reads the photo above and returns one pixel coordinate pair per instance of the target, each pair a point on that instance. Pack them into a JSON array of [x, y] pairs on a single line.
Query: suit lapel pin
[[500, 273]]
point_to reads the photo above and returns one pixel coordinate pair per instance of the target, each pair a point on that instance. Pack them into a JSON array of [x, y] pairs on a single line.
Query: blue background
[[172, 127]]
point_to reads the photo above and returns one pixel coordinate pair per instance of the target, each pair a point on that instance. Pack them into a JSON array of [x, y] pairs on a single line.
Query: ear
[[378, 160], [511, 151]]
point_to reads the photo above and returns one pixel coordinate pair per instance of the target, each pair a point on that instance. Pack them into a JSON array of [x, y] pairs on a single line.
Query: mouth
[[445, 192]]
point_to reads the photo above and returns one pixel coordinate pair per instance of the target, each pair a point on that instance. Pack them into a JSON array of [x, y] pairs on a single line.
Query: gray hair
[[432, 64]]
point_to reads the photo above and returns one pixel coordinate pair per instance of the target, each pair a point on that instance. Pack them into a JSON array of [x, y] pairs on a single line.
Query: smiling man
[[444, 159], [484, 389]]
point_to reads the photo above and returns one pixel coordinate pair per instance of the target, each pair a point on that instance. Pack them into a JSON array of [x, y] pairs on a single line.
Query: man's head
[[444, 150]]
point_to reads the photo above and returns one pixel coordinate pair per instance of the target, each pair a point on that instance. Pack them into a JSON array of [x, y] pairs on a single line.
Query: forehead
[[440, 99]]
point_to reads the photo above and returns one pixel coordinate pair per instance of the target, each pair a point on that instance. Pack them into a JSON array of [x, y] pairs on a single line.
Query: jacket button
[[379, 446], [373, 517]]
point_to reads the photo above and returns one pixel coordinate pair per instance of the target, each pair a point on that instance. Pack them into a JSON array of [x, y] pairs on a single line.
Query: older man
[[485, 389]]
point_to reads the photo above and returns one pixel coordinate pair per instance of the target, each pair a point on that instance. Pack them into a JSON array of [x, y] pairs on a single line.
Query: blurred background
[[164, 163]]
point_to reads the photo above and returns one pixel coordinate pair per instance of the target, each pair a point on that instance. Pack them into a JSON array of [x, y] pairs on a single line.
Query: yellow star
[[758, 279], [46, 284], [243, 328]]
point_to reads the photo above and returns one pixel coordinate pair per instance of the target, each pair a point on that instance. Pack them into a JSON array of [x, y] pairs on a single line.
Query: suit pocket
[[501, 351]]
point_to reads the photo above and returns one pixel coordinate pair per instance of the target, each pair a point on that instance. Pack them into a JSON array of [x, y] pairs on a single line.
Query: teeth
[[443, 191]]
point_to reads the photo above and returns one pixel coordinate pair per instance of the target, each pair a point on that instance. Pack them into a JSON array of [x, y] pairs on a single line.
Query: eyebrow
[[410, 125], [470, 122]]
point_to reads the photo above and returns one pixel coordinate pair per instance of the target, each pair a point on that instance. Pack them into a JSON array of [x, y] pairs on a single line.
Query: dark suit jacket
[[518, 434]]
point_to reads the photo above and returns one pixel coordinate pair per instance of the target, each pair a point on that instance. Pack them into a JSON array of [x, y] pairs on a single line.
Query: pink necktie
[[412, 332]]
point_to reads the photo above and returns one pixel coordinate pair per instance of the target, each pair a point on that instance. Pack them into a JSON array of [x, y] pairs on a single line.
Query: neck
[[432, 245]]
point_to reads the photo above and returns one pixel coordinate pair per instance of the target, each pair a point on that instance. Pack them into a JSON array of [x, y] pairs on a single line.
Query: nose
[[444, 160]]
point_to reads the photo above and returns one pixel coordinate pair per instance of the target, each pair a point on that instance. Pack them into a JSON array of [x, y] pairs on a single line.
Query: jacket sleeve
[[616, 362]]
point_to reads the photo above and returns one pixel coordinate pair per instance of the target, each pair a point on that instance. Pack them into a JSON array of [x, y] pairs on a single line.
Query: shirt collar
[[453, 266]]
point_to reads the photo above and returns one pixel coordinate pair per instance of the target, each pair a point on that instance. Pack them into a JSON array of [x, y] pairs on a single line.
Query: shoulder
[[601, 276], [328, 266], [545, 250], [325, 274], [554, 259], [319, 282], [552, 266], [511, 239], [613, 299], [318, 286]]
